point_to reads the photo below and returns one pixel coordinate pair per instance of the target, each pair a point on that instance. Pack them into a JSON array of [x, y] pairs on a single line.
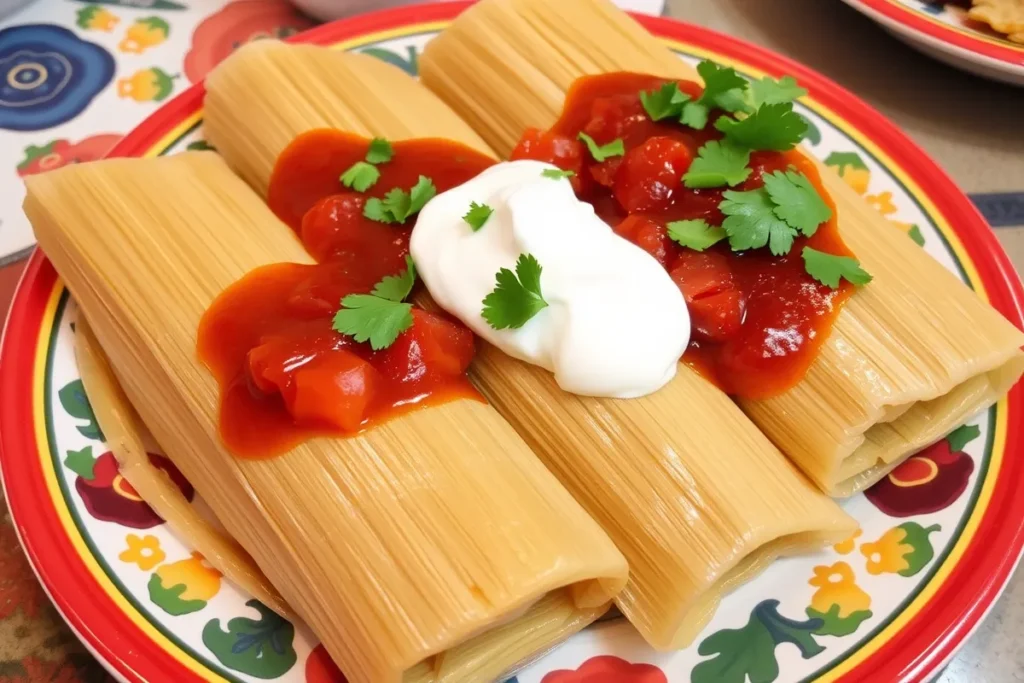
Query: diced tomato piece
[[649, 235], [716, 317], [651, 173], [565, 152], [432, 345], [336, 230], [699, 274], [335, 389], [618, 116], [604, 172]]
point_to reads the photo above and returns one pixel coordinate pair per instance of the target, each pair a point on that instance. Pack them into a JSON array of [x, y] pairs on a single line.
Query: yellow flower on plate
[[96, 18], [144, 33], [837, 586], [201, 581], [886, 555], [144, 552], [846, 547], [146, 85], [882, 203]]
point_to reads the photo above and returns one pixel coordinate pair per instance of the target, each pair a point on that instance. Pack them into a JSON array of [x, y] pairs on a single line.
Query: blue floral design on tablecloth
[[48, 75]]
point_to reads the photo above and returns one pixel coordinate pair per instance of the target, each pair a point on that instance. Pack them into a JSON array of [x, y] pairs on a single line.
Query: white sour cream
[[615, 324]]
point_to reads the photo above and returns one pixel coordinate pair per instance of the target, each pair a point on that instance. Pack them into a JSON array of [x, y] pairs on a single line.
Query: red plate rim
[[992, 48], [926, 639]]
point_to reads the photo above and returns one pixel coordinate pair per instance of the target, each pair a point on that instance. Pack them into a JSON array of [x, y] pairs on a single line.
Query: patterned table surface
[[117, 60]]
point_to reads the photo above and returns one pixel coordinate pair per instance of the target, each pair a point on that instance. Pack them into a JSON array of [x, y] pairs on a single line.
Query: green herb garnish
[[380, 151], [516, 296], [557, 173], [828, 269], [614, 148], [769, 91], [477, 215], [380, 316], [718, 163], [397, 205], [774, 214], [361, 176], [695, 234], [774, 127]]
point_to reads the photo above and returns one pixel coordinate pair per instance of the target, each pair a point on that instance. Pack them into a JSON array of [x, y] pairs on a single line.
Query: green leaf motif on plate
[[915, 234], [260, 648], [142, 4], [813, 135], [170, 600], [749, 652], [834, 625], [200, 146], [81, 463], [409, 63], [76, 404]]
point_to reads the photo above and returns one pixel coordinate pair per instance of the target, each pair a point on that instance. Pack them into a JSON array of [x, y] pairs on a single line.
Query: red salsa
[[285, 374], [757, 319]]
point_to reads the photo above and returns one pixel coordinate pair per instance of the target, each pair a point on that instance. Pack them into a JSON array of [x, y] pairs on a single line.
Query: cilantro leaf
[[773, 127], [398, 204], [663, 103], [829, 268], [360, 176], [477, 215], [397, 287], [516, 297], [717, 164], [751, 222], [379, 317], [695, 115], [797, 201], [557, 173], [380, 151], [769, 91], [614, 148], [723, 87], [695, 234]]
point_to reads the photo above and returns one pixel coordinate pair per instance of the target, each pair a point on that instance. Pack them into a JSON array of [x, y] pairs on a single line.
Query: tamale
[[402, 547], [912, 355], [693, 494]]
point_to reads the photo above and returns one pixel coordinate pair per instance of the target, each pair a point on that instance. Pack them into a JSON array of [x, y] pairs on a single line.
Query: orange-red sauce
[[285, 374], [758, 320]]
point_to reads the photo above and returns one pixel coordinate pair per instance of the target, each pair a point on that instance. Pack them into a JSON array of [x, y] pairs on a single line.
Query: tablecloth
[[156, 48]]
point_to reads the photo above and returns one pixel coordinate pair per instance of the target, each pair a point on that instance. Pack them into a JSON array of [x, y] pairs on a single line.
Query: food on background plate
[[433, 546], [1004, 16], [908, 358], [693, 495]]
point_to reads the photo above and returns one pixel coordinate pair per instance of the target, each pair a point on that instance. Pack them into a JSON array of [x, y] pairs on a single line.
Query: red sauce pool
[[285, 374], [758, 320]]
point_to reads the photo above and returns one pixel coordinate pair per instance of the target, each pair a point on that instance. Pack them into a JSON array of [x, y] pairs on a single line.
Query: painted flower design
[[145, 33], [846, 547], [320, 668], [185, 586], [146, 85], [852, 169], [48, 75], [238, 23], [61, 152], [109, 497], [261, 648], [929, 481], [96, 18], [903, 550], [143, 551], [608, 669], [839, 602]]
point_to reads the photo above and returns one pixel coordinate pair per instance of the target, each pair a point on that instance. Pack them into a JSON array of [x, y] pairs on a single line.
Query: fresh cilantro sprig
[[665, 102], [557, 173], [718, 163], [828, 269], [380, 316], [771, 91], [516, 296], [723, 89], [614, 148], [774, 127], [380, 151], [397, 205], [363, 175], [773, 215], [360, 176], [477, 215], [695, 234]]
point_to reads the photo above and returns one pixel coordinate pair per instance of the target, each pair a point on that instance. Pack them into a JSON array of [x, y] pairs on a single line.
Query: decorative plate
[[944, 31], [939, 538]]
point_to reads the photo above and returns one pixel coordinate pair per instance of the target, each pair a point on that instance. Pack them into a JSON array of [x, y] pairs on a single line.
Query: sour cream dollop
[[615, 324]]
